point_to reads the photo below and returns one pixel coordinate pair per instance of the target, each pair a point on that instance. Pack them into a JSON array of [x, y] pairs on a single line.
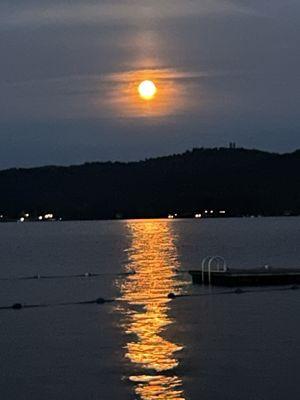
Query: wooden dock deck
[[247, 277]]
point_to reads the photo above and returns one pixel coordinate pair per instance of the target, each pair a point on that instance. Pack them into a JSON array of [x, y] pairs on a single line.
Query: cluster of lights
[[48, 216], [172, 216], [26, 215], [200, 215], [209, 212]]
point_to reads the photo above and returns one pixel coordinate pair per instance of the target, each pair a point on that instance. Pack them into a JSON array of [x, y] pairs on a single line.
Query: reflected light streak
[[152, 257]]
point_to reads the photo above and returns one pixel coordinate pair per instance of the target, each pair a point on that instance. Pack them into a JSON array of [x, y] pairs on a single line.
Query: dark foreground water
[[143, 345]]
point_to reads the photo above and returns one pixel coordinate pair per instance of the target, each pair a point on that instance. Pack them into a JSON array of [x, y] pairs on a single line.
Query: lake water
[[202, 345]]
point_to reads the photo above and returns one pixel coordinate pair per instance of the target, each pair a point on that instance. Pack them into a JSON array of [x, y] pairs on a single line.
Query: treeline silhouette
[[240, 181]]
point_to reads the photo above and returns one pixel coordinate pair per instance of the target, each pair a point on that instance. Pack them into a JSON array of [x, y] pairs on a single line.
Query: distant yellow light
[[147, 89]]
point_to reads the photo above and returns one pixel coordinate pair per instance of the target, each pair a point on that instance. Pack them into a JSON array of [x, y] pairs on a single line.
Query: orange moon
[[147, 89]]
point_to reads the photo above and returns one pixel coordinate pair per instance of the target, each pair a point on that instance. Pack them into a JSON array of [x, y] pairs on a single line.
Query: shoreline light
[[48, 216]]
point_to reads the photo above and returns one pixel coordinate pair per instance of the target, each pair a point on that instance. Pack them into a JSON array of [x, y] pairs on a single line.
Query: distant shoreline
[[150, 218], [226, 182]]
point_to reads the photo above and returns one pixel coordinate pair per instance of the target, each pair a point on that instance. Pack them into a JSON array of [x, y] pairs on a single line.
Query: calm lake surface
[[143, 345]]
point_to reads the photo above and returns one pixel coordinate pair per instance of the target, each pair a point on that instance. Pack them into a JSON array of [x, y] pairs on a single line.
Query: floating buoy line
[[83, 275], [171, 296], [19, 306]]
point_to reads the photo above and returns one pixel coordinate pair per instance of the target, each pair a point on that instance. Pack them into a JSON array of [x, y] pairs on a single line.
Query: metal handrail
[[210, 260], [205, 259]]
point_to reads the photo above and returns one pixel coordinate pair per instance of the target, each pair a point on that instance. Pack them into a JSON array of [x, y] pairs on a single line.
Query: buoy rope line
[[19, 306], [83, 275], [101, 300]]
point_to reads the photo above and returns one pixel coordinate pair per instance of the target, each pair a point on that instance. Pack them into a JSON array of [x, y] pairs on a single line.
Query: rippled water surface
[[143, 343]]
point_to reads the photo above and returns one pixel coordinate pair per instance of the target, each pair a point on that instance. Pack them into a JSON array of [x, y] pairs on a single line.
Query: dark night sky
[[226, 70]]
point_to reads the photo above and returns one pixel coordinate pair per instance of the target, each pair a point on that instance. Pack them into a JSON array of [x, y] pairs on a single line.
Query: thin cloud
[[37, 14]]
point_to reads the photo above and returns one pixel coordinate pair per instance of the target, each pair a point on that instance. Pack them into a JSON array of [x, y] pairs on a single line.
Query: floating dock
[[247, 277]]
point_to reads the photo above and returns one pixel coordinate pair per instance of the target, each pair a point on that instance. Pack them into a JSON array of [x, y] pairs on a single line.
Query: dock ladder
[[212, 264]]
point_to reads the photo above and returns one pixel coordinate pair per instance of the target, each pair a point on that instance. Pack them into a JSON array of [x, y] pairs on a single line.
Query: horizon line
[[228, 148]]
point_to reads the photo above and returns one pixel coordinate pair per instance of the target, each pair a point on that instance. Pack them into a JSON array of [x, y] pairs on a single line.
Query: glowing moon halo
[[147, 89]]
